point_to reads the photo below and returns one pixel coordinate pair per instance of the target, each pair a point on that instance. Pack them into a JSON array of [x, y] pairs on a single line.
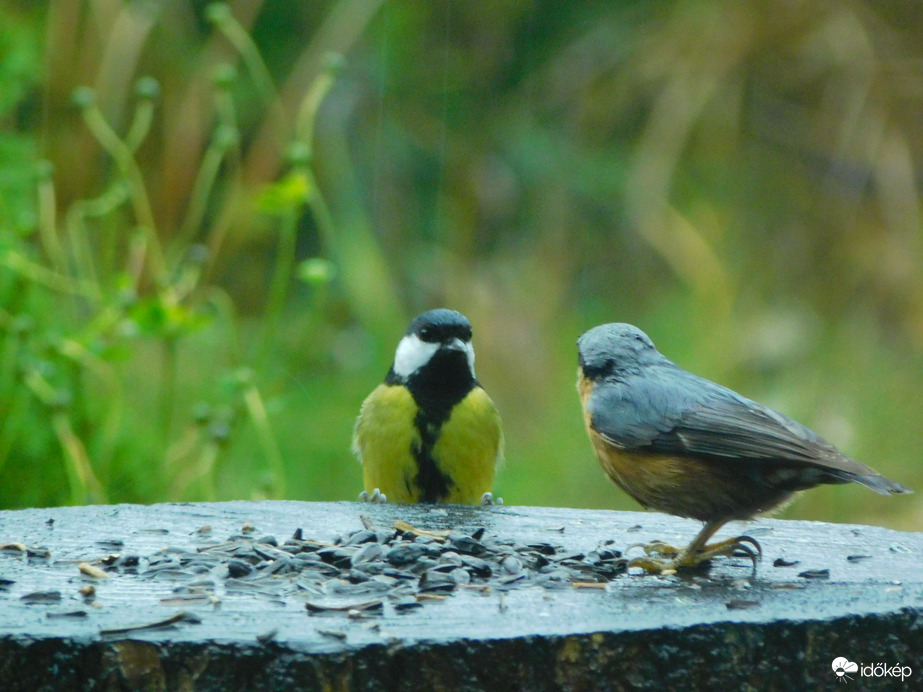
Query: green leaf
[[288, 194]]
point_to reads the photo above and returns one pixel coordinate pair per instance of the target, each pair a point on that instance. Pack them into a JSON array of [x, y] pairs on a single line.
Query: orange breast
[[686, 486]]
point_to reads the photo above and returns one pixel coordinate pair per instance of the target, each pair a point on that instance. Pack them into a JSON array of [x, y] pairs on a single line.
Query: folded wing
[[670, 411]]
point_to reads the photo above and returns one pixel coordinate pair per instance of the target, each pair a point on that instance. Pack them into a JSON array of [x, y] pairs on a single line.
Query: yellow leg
[[670, 559]]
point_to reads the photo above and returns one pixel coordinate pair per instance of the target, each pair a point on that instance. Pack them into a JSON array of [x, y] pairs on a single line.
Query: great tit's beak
[[455, 344]]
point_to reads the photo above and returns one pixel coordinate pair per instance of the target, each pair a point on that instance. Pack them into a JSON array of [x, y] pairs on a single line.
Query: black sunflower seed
[[467, 545], [406, 553], [477, 566], [238, 569], [815, 574]]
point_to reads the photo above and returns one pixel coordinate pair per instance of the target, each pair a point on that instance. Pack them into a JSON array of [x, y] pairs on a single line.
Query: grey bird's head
[[613, 348]]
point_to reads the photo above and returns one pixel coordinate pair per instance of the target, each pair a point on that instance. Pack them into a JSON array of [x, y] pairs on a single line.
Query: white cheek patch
[[469, 354], [412, 354]]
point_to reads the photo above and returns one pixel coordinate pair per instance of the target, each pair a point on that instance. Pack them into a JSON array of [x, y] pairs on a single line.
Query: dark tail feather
[[880, 484]]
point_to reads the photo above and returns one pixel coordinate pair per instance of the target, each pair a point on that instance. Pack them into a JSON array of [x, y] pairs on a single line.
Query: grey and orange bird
[[681, 444]]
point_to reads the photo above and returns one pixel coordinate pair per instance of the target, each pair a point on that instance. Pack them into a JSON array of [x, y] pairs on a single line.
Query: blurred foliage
[[216, 220]]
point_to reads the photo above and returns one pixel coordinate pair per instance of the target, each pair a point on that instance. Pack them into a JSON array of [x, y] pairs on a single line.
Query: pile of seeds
[[361, 570]]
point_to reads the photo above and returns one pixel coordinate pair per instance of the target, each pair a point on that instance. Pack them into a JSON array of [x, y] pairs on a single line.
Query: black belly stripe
[[436, 388], [433, 484]]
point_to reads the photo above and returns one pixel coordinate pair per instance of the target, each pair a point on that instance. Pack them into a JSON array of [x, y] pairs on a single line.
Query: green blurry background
[[216, 221]]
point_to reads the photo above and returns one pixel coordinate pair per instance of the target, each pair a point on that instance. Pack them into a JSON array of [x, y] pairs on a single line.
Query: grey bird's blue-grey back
[[643, 402]]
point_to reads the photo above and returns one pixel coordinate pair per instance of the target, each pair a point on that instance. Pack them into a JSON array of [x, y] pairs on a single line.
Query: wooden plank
[[728, 626]]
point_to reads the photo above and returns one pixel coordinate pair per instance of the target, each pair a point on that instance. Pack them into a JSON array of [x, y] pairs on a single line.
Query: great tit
[[681, 444], [430, 433]]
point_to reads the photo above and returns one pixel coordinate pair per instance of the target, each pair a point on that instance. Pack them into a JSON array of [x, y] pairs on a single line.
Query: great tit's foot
[[662, 558], [488, 499], [375, 496]]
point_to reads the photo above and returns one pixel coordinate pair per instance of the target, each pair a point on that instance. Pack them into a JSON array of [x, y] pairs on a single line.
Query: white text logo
[[843, 668]]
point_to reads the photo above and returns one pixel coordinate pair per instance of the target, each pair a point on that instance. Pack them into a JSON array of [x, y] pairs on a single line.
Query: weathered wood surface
[[726, 628]]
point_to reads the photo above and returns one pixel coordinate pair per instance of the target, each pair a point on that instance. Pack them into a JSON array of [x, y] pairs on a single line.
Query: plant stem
[[125, 160], [167, 394], [252, 58], [260, 417], [280, 282], [47, 277], [201, 191]]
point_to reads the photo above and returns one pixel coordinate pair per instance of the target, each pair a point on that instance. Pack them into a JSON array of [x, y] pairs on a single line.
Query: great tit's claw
[[488, 499], [376, 496]]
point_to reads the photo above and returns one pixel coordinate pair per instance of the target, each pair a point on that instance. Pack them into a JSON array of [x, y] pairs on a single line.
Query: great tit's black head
[[441, 331], [440, 325], [612, 348]]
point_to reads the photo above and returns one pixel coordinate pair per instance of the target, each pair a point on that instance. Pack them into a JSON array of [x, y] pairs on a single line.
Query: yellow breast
[[467, 447]]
